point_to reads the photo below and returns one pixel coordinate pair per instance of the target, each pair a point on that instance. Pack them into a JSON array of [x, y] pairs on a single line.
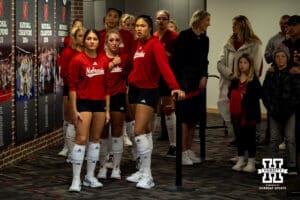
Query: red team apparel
[[66, 55], [168, 40], [127, 45], [67, 41], [146, 70], [117, 76], [87, 77]]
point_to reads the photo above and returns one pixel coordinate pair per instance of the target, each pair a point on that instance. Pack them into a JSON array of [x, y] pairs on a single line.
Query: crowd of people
[[122, 81]]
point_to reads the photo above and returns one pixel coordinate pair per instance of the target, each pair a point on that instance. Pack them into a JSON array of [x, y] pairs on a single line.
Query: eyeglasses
[[162, 19]]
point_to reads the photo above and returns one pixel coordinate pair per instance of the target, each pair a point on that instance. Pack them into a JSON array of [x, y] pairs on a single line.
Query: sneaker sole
[[132, 181], [91, 186], [63, 154], [74, 190], [146, 188], [116, 177]]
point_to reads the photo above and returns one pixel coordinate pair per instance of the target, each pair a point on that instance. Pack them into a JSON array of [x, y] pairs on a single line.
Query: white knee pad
[[150, 140], [142, 144], [117, 144], [65, 125], [93, 152], [71, 132], [78, 154], [171, 127], [104, 146], [130, 130]]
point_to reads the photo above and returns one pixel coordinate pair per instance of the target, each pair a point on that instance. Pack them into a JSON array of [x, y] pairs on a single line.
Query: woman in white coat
[[243, 40]]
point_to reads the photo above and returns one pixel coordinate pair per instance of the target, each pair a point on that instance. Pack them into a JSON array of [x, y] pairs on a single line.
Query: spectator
[[191, 67], [244, 95], [281, 96], [243, 40]]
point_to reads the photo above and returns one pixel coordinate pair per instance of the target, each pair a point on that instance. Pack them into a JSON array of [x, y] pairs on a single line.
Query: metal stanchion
[[178, 182], [202, 127], [178, 147]]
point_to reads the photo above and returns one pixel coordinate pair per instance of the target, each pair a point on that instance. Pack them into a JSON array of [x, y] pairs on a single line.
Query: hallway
[[47, 176]]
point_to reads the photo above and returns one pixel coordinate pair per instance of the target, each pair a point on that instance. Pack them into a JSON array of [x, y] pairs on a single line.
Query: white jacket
[[227, 67]]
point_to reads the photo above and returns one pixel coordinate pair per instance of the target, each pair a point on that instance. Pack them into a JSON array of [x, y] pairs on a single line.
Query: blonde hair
[[125, 17], [251, 73], [164, 12], [245, 32], [112, 31], [174, 24], [197, 17]]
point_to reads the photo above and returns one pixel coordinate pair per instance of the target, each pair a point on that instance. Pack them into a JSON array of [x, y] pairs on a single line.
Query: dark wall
[[180, 10]]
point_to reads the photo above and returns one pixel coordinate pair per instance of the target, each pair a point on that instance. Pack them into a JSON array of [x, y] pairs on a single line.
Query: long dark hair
[[90, 31], [148, 20]]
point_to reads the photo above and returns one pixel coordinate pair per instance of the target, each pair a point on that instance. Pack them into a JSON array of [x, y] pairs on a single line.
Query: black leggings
[[246, 139]]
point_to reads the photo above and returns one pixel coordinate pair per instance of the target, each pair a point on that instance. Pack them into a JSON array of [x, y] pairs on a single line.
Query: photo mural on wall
[[46, 66], [24, 69], [63, 20], [5, 72]]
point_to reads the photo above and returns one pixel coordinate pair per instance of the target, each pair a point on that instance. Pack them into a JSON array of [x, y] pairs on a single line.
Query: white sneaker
[[194, 157], [76, 185], [127, 141], [116, 174], [92, 182], [250, 167], [240, 164], [135, 177], [282, 146], [146, 182], [186, 160], [63, 152], [102, 174]]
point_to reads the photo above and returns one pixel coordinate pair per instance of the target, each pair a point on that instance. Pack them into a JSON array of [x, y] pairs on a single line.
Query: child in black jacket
[[244, 95], [281, 96]]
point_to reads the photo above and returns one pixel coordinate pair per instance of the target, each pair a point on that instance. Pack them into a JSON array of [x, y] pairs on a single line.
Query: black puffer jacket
[[281, 93]]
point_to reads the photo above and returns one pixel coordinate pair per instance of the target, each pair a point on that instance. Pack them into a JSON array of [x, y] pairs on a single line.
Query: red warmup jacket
[[168, 40], [67, 41], [66, 56], [127, 46], [149, 62], [87, 77], [117, 77]]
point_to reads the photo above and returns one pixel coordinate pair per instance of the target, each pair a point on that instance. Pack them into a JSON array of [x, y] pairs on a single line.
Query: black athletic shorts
[[143, 96], [118, 103], [84, 105], [190, 110]]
